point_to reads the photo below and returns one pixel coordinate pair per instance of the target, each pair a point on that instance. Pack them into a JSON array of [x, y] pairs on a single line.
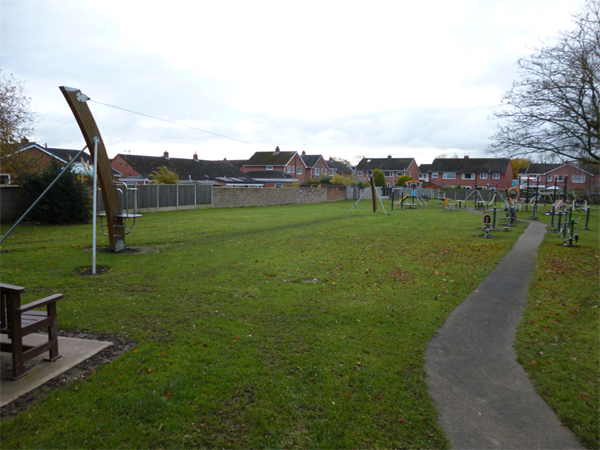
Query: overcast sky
[[335, 78]]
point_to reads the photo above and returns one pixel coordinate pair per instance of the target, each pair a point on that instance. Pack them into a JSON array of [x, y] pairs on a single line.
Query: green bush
[[379, 178], [67, 202], [403, 180], [325, 180]]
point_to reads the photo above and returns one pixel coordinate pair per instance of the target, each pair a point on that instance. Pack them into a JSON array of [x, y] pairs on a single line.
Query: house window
[[360, 174], [299, 170], [316, 171], [449, 175], [496, 176], [468, 176], [560, 177], [269, 167], [549, 178], [400, 173], [387, 173], [483, 176], [4, 178], [434, 175], [330, 172], [538, 178], [578, 179], [289, 169], [278, 184]]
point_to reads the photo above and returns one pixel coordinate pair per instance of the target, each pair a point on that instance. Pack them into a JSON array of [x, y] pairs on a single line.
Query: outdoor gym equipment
[[115, 218], [486, 224]]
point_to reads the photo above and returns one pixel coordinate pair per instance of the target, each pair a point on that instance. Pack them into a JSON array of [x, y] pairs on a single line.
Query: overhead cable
[[171, 122]]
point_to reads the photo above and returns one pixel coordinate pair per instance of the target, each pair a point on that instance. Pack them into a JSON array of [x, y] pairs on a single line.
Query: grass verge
[[294, 326], [557, 339]]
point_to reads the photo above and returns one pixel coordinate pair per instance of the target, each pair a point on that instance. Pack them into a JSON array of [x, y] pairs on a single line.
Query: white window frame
[[317, 171], [278, 185], [359, 173], [448, 177], [289, 169], [549, 178], [560, 178], [468, 176], [483, 176], [330, 172], [495, 176], [298, 170], [575, 179], [434, 174], [269, 167], [400, 173]]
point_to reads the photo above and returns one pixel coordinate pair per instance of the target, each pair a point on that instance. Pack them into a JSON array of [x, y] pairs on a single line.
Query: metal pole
[[95, 187], [587, 218], [42, 196]]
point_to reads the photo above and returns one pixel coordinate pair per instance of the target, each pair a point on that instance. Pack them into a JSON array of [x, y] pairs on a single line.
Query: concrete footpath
[[482, 394]]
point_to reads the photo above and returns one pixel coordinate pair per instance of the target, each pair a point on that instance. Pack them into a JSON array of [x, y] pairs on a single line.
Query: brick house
[[339, 168], [392, 168], [289, 163], [316, 166], [551, 175], [136, 169], [43, 155], [472, 173]]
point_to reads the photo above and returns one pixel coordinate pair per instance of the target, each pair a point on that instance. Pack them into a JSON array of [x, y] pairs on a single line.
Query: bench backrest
[[10, 299]]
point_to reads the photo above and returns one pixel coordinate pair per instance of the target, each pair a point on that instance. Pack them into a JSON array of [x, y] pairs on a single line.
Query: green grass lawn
[[558, 338], [294, 326]]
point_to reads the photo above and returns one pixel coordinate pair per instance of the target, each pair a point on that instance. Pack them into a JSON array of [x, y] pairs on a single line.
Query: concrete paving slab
[[73, 352]]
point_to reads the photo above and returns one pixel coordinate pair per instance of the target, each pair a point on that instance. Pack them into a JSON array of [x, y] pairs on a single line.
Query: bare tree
[[554, 106], [16, 124]]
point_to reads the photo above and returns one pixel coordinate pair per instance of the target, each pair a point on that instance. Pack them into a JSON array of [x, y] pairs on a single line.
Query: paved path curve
[[482, 394]]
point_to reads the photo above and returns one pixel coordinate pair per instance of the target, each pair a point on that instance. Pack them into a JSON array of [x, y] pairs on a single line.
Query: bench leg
[[17, 356], [53, 332]]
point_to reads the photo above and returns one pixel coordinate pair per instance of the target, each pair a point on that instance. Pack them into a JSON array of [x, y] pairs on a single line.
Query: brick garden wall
[[237, 197]]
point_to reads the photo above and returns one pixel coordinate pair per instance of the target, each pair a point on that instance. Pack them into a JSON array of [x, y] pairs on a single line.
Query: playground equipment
[[413, 194], [115, 218]]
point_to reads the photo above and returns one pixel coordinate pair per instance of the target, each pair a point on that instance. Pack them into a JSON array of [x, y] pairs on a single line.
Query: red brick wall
[[122, 166]]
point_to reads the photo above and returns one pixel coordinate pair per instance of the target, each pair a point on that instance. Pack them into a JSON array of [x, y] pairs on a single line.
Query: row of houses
[[282, 168]]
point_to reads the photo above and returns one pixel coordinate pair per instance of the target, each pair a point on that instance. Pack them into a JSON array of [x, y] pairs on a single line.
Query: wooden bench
[[18, 321]]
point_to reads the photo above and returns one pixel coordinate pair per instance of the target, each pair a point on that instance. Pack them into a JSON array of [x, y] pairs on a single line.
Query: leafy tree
[[519, 163], [554, 106], [164, 176], [403, 180], [16, 124], [68, 201], [379, 178]]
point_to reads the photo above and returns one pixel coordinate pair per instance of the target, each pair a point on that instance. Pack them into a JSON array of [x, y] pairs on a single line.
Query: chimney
[[166, 155], [195, 157], [466, 156], [277, 149], [46, 145], [303, 153], [24, 140]]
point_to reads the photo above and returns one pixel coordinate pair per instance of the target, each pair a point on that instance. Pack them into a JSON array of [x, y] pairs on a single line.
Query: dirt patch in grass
[[80, 371], [86, 271]]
